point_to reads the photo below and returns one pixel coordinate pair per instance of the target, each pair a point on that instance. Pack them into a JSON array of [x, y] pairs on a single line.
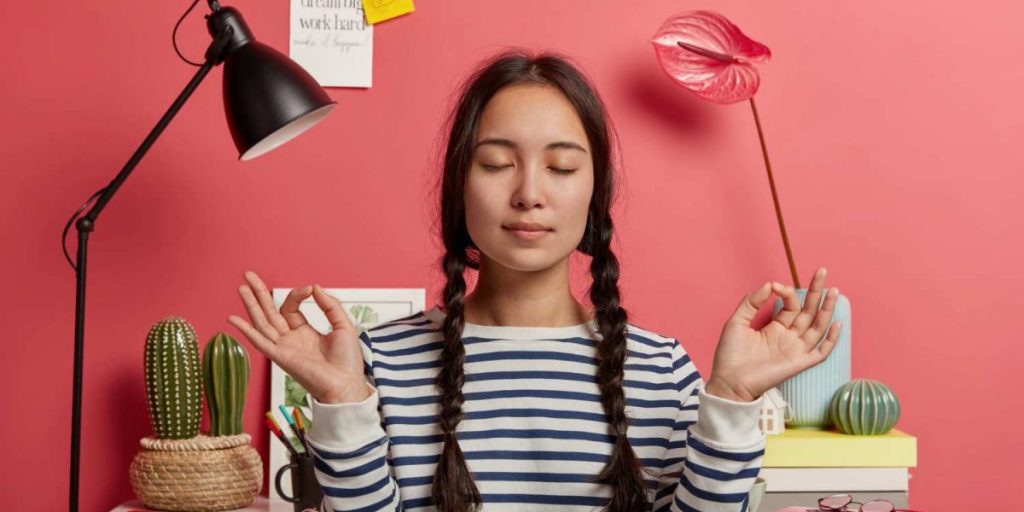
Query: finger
[[266, 301], [257, 339], [816, 354], [823, 317], [811, 302], [790, 304], [823, 349], [332, 308], [751, 303], [290, 308], [259, 319]]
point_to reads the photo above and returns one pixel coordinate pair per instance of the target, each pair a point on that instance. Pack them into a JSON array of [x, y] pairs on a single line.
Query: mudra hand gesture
[[329, 367], [749, 362]]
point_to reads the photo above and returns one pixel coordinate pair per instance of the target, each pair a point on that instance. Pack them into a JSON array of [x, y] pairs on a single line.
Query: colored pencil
[[276, 429], [302, 428], [291, 425]]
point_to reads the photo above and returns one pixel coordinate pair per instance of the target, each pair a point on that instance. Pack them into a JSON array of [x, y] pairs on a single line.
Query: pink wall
[[895, 129]]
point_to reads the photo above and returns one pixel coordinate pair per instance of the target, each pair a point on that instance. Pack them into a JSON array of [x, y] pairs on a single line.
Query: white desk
[[259, 504]]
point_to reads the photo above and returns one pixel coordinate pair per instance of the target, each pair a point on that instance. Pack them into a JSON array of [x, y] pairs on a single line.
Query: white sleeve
[[350, 448], [717, 448]]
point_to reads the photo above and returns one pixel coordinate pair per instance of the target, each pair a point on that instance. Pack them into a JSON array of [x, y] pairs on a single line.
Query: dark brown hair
[[453, 487]]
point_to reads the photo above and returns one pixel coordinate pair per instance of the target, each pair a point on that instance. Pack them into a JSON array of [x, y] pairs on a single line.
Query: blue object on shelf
[[809, 393]]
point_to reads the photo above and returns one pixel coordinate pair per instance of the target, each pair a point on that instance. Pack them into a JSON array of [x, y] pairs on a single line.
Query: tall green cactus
[[226, 374], [174, 386]]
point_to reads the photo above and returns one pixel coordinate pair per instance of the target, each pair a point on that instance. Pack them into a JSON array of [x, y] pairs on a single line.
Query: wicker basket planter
[[201, 473]]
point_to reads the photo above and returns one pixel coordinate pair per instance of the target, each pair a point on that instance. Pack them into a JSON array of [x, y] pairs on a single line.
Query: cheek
[[477, 202], [578, 202]]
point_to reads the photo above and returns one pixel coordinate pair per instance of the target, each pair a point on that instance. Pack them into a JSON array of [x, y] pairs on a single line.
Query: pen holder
[[307, 491]]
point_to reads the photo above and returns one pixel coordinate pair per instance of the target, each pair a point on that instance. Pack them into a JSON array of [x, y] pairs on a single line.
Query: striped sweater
[[534, 433]]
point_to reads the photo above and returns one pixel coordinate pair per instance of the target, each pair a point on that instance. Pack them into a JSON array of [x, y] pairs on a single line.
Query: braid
[[453, 489], [623, 471]]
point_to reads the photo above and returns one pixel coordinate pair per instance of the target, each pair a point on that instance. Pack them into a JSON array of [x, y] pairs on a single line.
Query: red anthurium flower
[[709, 55]]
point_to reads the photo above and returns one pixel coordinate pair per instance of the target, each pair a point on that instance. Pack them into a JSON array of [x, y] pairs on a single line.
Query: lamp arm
[[86, 224], [214, 56]]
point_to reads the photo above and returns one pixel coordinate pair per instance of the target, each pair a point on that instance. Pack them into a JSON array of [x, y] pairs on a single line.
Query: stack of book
[[802, 465]]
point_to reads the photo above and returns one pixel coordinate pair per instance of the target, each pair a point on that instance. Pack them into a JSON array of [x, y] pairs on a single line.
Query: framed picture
[[366, 307]]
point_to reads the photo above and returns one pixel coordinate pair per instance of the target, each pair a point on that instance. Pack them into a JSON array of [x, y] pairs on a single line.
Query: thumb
[[332, 309], [751, 303]]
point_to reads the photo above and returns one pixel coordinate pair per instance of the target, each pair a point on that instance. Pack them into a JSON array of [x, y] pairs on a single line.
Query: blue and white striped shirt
[[534, 433]]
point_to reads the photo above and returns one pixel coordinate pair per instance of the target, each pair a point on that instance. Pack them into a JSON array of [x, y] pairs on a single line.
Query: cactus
[[864, 407], [174, 386], [226, 375]]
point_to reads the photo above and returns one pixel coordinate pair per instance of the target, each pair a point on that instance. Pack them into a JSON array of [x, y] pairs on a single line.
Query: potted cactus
[[174, 385], [226, 375], [179, 468]]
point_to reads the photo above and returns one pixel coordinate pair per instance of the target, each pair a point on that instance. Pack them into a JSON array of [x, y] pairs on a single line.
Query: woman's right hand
[[329, 367]]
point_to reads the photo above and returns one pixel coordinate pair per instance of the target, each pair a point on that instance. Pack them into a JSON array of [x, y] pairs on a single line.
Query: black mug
[[306, 490]]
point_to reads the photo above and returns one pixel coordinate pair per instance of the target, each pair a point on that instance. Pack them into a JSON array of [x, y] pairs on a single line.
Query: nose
[[528, 191]]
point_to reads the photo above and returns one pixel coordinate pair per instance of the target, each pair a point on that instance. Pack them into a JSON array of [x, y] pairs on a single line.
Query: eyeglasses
[[845, 503]]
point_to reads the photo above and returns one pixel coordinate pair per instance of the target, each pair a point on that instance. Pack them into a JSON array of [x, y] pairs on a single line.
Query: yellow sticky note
[[381, 10]]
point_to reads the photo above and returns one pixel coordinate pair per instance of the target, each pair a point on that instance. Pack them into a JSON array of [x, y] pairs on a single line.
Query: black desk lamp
[[268, 99]]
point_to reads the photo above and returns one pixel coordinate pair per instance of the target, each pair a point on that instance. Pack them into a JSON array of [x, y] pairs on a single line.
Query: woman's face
[[531, 164]]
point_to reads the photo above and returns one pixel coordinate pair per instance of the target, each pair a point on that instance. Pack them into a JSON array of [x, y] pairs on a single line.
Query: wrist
[[723, 389], [349, 394]]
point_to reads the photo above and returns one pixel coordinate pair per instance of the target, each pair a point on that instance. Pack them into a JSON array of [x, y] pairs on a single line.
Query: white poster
[[331, 40], [366, 308]]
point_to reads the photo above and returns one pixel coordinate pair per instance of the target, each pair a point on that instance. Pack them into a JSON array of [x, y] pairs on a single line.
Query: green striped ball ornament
[[864, 407], [174, 381], [226, 375]]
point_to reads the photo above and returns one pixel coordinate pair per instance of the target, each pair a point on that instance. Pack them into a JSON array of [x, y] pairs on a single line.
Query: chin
[[528, 260]]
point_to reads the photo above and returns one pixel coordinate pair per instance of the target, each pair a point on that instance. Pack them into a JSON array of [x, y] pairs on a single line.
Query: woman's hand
[[329, 367], [749, 362]]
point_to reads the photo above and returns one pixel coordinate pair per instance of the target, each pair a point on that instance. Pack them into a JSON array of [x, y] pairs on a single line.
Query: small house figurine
[[772, 419]]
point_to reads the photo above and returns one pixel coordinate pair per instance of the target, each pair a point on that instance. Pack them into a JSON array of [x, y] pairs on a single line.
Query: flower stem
[[775, 196]]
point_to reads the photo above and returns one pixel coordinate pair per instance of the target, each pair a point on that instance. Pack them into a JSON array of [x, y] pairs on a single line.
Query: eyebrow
[[562, 144]]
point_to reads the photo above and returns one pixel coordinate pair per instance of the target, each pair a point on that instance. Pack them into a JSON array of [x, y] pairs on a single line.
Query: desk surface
[[259, 504]]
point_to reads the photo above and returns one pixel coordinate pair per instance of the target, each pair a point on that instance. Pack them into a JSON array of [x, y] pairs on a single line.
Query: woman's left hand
[[749, 362]]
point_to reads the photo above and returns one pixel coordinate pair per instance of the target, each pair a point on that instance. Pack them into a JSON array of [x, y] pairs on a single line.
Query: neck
[[508, 297]]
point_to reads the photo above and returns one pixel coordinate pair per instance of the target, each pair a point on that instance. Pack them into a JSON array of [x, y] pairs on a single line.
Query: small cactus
[[226, 375], [864, 407], [174, 386]]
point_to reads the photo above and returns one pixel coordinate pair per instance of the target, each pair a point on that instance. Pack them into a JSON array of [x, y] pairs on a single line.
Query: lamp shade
[[268, 98]]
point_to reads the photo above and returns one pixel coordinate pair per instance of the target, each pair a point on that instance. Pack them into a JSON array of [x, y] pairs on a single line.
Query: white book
[[836, 479], [773, 501]]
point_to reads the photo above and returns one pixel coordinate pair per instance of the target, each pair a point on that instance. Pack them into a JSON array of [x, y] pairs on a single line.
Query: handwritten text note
[[331, 39]]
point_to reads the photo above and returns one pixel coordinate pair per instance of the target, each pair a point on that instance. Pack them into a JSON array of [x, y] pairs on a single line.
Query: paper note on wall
[[331, 40], [381, 10]]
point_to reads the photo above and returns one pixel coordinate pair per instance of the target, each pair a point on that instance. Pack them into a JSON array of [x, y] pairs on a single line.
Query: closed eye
[[494, 167], [558, 170]]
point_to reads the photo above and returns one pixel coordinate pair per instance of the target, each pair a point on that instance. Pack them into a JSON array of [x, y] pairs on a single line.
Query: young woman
[[517, 396]]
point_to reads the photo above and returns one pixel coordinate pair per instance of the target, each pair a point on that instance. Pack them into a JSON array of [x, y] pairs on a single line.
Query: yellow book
[[831, 448]]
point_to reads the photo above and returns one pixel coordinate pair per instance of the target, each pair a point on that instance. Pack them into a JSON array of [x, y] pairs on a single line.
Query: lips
[[526, 226]]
